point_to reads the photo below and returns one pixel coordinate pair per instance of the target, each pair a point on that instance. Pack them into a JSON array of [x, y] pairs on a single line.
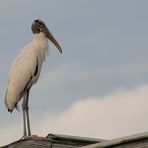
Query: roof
[[53, 141], [134, 141], [63, 141]]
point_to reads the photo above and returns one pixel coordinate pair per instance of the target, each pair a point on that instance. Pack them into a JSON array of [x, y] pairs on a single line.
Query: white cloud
[[115, 115], [118, 114]]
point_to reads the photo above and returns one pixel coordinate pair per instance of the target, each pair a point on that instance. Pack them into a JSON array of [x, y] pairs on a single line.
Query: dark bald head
[[38, 26]]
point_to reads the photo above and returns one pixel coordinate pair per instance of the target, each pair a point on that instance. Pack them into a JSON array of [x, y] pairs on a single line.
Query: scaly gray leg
[[24, 116], [27, 113]]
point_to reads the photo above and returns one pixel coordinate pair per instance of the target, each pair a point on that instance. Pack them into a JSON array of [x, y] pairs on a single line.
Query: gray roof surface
[[62, 141], [53, 141]]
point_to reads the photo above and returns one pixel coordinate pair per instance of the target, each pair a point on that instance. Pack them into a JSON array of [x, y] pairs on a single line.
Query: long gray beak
[[52, 39]]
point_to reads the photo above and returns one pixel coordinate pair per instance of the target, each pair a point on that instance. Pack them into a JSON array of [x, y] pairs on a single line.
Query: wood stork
[[25, 70]]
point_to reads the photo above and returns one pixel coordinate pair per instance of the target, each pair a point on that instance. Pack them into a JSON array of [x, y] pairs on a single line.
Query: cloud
[[121, 113], [118, 114]]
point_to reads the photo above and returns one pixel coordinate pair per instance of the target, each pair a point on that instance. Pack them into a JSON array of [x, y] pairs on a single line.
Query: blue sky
[[104, 58]]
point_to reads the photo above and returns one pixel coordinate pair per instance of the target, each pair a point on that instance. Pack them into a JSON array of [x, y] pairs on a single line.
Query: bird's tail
[[10, 101]]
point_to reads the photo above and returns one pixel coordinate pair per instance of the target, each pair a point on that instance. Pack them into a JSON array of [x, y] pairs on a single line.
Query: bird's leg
[[27, 113], [24, 116], [26, 119]]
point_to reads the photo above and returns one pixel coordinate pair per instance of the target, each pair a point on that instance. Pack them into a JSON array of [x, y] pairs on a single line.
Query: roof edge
[[119, 141]]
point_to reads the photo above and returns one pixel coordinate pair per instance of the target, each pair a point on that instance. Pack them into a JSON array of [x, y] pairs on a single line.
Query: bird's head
[[39, 26]]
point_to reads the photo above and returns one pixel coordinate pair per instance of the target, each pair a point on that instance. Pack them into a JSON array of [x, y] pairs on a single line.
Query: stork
[[25, 71]]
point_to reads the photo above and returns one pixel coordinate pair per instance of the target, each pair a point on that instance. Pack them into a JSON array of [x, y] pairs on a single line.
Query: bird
[[25, 70]]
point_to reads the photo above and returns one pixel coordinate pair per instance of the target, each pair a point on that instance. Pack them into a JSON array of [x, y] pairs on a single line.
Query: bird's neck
[[40, 42]]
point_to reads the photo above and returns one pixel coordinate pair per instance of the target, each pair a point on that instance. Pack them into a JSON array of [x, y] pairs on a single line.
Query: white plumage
[[28, 61], [26, 68]]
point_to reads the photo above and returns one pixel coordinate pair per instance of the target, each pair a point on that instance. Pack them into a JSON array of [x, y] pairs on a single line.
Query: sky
[[98, 87]]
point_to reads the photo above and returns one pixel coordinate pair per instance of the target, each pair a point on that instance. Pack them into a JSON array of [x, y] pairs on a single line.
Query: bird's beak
[[53, 40]]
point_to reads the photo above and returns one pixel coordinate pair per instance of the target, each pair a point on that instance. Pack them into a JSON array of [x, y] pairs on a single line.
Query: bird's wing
[[22, 70]]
